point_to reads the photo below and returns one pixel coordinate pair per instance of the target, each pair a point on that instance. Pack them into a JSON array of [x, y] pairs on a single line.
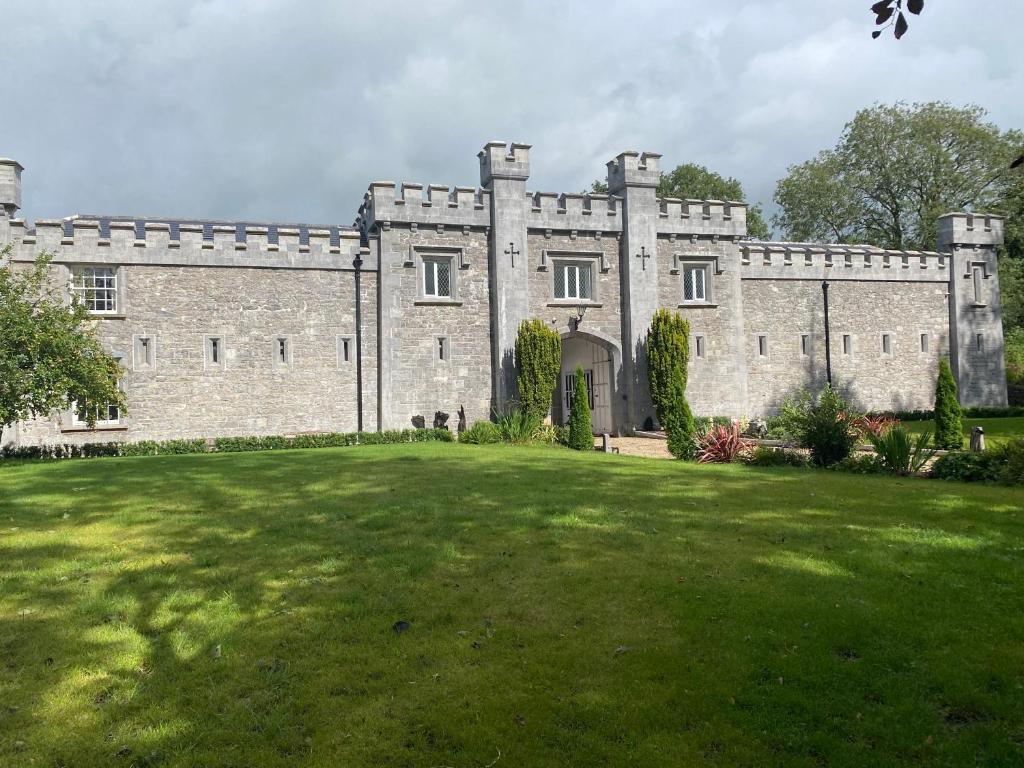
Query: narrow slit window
[[143, 352], [847, 344], [442, 348], [762, 346], [214, 350], [698, 343], [282, 351], [924, 342], [805, 344], [886, 344], [979, 342], [345, 350], [978, 275]]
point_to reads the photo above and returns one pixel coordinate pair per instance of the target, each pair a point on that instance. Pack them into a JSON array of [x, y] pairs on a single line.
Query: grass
[[561, 609], [997, 431]]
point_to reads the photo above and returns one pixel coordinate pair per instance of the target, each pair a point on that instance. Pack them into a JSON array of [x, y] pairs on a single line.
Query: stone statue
[[440, 420], [419, 422], [462, 419]]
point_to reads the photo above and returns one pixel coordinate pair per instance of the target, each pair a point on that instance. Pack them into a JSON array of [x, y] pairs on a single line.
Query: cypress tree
[[581, 433], [538, 362], [949, 417], [668, 353]]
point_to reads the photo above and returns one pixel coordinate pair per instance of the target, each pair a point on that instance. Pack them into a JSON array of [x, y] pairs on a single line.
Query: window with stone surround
[[437, 277], [344, 350], [698, 346], [695, 284], [214, 352], [96, 288], [762, 346], [143, 352], [106, 414], [886, 344], [805, 345], [924, 342], [574, 281]]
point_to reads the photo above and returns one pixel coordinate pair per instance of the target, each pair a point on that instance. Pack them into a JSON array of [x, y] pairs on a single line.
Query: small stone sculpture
[[440, 420], [462, 419], [419, 422]]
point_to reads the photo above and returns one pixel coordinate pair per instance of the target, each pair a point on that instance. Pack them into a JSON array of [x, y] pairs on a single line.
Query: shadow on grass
[[238, 609]]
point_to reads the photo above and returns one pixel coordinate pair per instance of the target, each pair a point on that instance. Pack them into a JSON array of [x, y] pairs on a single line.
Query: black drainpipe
[[828, 340], [357, 262]]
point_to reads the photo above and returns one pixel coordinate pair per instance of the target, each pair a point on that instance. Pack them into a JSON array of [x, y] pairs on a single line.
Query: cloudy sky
[[285, 110]]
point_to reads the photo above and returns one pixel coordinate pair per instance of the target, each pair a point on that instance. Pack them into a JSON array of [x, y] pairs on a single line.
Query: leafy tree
[[949, 421], [50, 356], [668, 354], [581, 432], [539, 360], [894, 171], [697, 182]]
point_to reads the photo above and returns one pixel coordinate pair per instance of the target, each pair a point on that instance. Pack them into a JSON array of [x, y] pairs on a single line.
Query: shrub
[[861, 464], [763, 456], [1011, 458], [668, 353], [481, 433], [826, 427], [949, 426], [538, 362], [900, 453], [581, 432], [721, 445], [515, 425], [968, 467], [550, 433]]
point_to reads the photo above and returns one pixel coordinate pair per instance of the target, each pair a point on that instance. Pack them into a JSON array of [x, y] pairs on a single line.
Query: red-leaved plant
[[875, 425], [721, 444]]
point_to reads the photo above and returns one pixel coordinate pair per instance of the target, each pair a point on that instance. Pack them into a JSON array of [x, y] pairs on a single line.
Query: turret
[[10, 195], [975, 309]]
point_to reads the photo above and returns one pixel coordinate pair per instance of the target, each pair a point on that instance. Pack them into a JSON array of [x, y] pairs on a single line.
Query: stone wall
[[182, 395], [785, 310], [414, 380]]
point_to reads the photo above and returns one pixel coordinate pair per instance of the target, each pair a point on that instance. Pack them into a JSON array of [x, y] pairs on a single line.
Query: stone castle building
[[228, 328]]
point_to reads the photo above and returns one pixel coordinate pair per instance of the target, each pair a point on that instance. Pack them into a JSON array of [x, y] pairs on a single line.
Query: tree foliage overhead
[[697, 182], [538, 362], [889, 13], [50, 356], [894, 171]]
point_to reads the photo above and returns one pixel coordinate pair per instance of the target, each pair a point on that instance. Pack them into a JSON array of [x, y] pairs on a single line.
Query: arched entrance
[[598, 357]]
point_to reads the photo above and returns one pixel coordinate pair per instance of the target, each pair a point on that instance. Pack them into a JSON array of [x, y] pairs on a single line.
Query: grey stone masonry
[[239, 328]]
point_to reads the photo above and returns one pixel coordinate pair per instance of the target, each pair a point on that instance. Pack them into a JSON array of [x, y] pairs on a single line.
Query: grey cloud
[[279, 110]]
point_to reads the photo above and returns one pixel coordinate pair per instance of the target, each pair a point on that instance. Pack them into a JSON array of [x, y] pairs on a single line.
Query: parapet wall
[[442, 205], [586, 212], [170, 243], [724, 218], [803, 261]]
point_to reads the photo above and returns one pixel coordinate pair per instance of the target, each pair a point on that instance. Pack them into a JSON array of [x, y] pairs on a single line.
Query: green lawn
[[997, 431], [562, 608]]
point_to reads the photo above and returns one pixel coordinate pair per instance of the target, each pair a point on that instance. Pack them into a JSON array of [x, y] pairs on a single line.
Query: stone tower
[[975, 309], [504, 170], [10, 195]]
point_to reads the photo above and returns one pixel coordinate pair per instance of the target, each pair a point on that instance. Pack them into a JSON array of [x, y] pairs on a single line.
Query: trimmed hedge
[[981, 412], [225, 444]]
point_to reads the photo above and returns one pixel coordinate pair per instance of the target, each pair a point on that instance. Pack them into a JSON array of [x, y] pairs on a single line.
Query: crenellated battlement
[[810, 261], [725, 218], [970, 229], [499, 160], [104, 240], [634, 169], [450, 206], [587, 212]]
